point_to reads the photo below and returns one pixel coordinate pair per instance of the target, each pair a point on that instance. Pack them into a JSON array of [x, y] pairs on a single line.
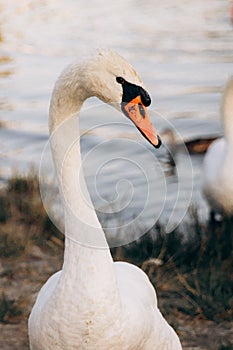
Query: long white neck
[[88, 266], [81, 222], [70, 92], [227, 113]]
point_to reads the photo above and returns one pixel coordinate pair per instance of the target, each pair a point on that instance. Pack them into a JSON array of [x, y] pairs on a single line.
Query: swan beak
[[137, 112]]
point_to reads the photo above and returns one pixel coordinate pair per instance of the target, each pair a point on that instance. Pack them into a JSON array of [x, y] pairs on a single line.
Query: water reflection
[[5, 72], [183, 51]]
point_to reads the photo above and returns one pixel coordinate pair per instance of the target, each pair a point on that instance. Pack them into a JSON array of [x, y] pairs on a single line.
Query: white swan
[[218, 162], [93, 303]]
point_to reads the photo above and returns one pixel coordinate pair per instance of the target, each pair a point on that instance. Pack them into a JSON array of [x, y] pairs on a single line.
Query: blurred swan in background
[[218, 162], [94, 303]]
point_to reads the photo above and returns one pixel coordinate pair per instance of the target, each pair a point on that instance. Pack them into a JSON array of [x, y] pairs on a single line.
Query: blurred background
[[184, 54]]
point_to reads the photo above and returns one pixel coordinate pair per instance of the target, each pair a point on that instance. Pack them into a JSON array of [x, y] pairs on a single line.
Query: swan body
[[94, 303], [218, 162]]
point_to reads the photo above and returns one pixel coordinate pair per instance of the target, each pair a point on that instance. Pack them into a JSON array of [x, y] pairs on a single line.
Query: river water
[[184, 53]]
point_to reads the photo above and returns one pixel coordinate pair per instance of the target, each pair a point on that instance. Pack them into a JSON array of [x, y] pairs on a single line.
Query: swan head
[[115, 82], [109, 77]]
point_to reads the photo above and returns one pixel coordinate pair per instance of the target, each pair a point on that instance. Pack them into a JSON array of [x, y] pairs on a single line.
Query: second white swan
[[218, 162]]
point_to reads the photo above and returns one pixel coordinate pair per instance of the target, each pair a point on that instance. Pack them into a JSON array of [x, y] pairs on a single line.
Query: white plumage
[[218, 162], [92, 303]]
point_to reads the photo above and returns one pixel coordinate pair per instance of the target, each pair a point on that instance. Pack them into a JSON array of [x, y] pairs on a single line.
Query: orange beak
[[137, 112]]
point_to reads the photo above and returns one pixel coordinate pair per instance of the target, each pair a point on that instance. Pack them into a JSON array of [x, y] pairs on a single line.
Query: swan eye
[[120, 80]]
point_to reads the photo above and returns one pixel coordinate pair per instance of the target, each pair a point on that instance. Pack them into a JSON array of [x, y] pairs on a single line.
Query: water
[[184, 53]]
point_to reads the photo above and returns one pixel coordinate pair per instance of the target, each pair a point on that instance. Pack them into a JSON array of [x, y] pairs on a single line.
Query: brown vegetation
[[190, 267]]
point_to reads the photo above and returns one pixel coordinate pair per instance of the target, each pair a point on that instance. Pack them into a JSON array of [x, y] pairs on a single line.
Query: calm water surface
[[182, 50]]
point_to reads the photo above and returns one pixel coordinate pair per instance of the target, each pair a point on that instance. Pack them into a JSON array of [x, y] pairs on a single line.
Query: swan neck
[[81, 222], [88, 265]]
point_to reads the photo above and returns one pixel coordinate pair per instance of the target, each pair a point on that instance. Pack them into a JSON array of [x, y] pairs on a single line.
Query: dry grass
[[196, 264], [191, 269]]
